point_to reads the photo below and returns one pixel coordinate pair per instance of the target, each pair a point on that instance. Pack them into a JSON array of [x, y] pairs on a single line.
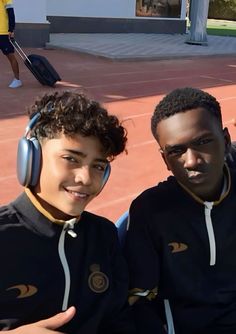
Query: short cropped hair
[[73, 113], [181, 100]]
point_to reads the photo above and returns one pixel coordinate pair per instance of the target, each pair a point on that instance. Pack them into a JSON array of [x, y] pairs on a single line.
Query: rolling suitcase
[[39, 66]]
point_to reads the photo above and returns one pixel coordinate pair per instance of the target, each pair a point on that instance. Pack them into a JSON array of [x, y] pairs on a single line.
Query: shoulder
[[161, 193], [233, 175], [156, 201], [98, 223], [100, 232], [7, 215]]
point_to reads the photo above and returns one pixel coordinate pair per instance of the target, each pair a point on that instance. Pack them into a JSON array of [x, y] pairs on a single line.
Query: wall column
[[32, 27], [198, 14]]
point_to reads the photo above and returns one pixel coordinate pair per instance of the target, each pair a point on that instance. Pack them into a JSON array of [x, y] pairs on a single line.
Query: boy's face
[[193, 146], [71, 174]]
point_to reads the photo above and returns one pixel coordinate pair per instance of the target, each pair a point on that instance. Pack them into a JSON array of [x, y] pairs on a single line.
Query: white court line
[[142, 144], [163, 71], [8, 140], [228, 98], [129, 118], [215, 78], [3, 178], [153, 80], [135, 82], [14, 114]]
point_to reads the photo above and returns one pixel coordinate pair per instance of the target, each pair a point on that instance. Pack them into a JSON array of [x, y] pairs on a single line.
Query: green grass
[[221, 28]]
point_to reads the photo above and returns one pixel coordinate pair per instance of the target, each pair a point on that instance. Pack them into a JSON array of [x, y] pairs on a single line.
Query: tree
[[222, 9]]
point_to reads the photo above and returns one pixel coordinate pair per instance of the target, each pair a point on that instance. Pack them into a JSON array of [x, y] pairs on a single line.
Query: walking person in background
[[7, 26]]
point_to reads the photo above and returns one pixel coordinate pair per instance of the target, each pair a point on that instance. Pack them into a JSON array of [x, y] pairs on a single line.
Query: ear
[[227, 140], [165, 161]]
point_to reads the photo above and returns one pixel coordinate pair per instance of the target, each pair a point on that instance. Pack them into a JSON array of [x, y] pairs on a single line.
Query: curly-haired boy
[[55, 253]]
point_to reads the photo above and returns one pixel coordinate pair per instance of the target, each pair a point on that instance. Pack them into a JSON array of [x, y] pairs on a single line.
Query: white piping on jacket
[[68, 227], [142, 293], [169, 318], [210, 231]]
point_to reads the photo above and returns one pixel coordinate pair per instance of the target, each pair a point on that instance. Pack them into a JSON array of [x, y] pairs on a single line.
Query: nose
[[191, 159], [83, 175]]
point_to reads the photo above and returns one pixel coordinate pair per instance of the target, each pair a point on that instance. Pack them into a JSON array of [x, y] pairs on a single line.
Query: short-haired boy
[[181, 239]]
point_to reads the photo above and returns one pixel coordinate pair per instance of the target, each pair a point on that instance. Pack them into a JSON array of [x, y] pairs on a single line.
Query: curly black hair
[[181, 100], [73, 113]]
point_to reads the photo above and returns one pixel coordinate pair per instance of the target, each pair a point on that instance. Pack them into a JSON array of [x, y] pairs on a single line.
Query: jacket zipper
[[210, 232], [67, 228]]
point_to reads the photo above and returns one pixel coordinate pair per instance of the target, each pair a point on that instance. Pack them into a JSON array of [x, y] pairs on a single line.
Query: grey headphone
[[29, 158]]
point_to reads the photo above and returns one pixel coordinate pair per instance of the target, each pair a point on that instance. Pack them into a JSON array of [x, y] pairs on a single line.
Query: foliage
[[222, 9]]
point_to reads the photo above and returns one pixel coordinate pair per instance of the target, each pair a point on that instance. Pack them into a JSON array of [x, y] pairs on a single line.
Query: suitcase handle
[[19, 50]]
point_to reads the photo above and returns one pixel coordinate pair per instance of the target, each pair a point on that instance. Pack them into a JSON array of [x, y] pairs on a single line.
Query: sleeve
[[144, 269], [11, 19], [119, 318]]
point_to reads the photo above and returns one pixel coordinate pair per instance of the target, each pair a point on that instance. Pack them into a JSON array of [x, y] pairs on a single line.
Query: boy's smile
[[71, 174]]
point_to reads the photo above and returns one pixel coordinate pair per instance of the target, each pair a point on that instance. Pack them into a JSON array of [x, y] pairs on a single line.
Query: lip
[[197, 177], [77, 195]]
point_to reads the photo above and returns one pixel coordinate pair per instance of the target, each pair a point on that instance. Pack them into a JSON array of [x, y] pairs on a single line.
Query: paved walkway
[[142, 46]]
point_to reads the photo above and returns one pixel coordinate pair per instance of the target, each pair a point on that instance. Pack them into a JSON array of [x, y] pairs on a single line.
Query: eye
[[69, 158], [203, 141], [100, 167], [175, 151]]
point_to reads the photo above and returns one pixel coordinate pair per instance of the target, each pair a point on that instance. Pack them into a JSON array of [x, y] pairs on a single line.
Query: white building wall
[[38, 10], [92, 8]]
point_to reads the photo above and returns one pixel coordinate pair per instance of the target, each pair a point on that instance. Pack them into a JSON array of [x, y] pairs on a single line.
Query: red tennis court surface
[[130, 90]]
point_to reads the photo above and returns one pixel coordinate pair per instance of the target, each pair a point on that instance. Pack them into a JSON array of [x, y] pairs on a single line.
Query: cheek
[[52, 173], [97, 186], [174, 165], [54, 167], [214, 159]]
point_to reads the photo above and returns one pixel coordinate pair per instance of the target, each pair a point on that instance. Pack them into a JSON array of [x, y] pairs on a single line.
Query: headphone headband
[[32, 123]]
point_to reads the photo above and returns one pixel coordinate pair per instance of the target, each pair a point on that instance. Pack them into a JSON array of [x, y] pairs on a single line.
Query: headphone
[[29, 158]]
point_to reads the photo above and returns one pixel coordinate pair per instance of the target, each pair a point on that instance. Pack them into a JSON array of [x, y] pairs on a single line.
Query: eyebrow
[[205, 135], [83, 155], [168, 147]]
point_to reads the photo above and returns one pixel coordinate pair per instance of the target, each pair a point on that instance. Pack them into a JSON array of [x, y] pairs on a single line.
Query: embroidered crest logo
[[98, 281]]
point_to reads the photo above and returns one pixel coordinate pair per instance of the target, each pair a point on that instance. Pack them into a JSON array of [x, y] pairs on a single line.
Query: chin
[[66, 214], [75, 213]]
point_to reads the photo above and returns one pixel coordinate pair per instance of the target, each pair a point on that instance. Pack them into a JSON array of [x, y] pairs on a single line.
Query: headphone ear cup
[[106, 175], [28, 161]]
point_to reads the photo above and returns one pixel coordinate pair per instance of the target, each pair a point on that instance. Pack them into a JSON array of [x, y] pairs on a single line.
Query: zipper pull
[[72, 233], [69, 227]]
